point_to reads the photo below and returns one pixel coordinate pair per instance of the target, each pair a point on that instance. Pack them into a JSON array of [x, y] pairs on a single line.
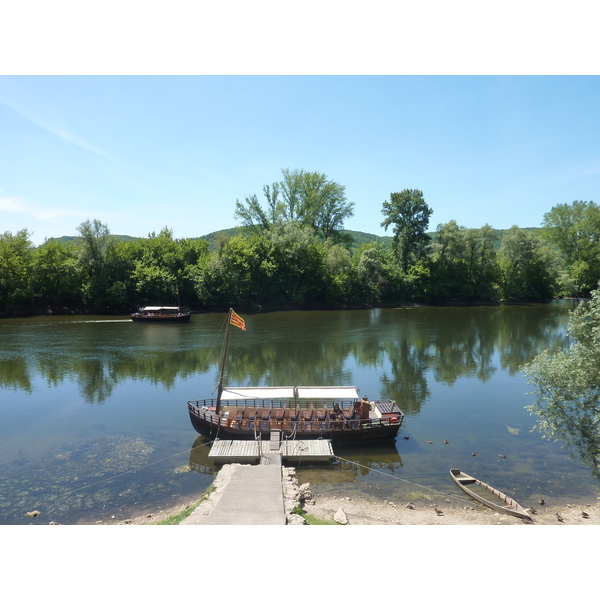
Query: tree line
[[292, 252]]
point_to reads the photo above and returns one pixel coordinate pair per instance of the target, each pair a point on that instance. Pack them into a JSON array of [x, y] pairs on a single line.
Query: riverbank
[[323, 509], [366, 512]]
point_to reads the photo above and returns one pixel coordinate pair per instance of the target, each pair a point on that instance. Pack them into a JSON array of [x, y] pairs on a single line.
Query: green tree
[[482, 265], [568, 385], [97, 241], [106, 267], [324, 204], [252, 215], [575, 230], [448, 261], [15, 270], [527, 266], [298, 258], [94, 258], [409, 214], [371, 272], [306, 198], [338, 266], [164, 269], [231, 276], [55, 275]]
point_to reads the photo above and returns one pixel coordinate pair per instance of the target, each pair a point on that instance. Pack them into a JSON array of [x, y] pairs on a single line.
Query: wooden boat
[[487, 495], [162, 314], [336, 413]]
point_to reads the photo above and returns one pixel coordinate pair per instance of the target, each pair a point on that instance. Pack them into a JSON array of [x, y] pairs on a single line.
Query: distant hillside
[[359, 237], [76, 239]]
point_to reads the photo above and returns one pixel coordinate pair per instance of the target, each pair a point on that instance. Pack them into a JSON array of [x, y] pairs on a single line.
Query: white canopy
[[241, 393], [300, 392], [327, 392], [160, 308]]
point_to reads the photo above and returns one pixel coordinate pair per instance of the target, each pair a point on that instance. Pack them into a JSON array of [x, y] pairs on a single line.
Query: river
[[94, 423]]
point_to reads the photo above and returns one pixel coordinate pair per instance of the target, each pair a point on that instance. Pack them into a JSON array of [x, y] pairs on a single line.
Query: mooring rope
[[210, 442], [399, 478], [128, 472]]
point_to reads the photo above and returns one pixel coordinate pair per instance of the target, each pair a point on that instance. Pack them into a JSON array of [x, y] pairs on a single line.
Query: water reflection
[[82, 401], [199, 460], [304, 348], [576, 427]]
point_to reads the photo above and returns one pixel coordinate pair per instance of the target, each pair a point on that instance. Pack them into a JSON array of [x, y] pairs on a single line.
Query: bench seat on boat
[[235, 416], [290, 416], [263, 418]]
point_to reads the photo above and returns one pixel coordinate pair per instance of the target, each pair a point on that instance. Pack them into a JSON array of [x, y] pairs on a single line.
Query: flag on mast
[[237, 320]]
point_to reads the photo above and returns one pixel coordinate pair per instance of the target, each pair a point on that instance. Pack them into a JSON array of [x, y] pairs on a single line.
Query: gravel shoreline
[[368, 511]]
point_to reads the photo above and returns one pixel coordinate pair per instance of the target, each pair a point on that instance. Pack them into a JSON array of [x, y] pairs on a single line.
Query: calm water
[[93, 416]]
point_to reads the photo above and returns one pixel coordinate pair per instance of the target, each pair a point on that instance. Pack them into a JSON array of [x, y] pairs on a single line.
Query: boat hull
[[175, 319], [368, 431]]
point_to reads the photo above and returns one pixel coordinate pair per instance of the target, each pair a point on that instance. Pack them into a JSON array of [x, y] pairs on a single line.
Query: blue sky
[[143, 152]]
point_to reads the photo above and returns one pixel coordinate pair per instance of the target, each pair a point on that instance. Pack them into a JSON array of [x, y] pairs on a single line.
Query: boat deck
[[252, 417]]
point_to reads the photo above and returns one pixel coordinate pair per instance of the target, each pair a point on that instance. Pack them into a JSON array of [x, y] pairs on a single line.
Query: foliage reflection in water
[[94, 418]]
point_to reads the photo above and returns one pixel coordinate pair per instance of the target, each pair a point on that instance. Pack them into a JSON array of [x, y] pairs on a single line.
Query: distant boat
[[487, 495], [335, 413], [162, 314]]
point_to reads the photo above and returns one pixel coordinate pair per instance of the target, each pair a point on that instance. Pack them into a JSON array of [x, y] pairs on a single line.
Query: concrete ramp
[[252, 495]]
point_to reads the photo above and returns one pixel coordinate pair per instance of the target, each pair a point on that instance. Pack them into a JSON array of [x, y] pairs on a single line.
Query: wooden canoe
[[487, 495]]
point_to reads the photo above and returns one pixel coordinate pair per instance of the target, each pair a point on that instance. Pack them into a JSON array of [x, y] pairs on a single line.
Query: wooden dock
[[255, 451], [312, 449], [235, 451]]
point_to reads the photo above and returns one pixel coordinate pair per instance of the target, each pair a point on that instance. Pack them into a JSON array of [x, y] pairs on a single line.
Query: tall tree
[[97, 240], [482, 265], [528, 269], [103, 284], [575, 230], [56, 276], [15, 269], [165, 269], [370, 272], [409, 214], [323, 204], [448, 262], [252, 215], [306, 198]]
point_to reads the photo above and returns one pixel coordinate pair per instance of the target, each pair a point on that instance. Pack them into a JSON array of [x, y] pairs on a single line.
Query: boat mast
[[218, 407]]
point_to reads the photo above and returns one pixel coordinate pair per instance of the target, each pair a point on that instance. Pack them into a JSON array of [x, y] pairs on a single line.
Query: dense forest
[[291, 251]]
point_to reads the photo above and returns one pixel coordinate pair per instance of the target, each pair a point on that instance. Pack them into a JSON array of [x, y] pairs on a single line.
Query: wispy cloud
[[24, 106], [14, 205], [50, 215]]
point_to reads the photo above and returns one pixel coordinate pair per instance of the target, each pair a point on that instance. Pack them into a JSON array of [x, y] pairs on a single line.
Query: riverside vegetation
[[292, 252]]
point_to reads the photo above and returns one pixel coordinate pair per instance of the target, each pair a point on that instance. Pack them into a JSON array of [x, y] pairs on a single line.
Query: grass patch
[[176, 519], [314, 521]]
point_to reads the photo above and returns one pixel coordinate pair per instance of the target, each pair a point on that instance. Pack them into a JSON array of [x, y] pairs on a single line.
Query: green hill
[[359, 237], [76, 239]]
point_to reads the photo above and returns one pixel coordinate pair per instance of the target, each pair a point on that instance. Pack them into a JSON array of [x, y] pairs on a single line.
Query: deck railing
[[202, 409]]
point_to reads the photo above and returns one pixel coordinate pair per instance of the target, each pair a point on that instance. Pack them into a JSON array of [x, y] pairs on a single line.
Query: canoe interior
[[488, 495]]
